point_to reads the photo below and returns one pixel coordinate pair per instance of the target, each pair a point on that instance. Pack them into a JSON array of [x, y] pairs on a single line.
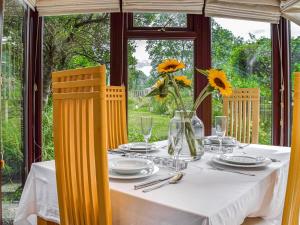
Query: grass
[[160, 125]]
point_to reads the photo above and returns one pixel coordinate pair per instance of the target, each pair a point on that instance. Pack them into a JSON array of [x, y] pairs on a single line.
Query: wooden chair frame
[[243, 111], [79, 110]]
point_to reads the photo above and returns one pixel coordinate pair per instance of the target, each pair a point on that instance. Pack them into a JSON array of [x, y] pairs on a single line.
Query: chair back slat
[[291, 211], [117, 116], [242, 110], [80, 139]]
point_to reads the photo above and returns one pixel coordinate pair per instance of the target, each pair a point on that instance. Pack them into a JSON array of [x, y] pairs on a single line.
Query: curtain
[[64, 7], [258, 10], [185, 6], [291, 10]]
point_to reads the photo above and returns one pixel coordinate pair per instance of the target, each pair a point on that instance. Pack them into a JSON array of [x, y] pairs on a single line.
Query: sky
[[240, 28]]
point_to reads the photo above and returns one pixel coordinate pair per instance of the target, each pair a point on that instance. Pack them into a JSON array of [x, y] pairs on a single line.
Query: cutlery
[[275, 160], [231, 171], [151, 182], [174, 180], [243, 146], [116, 152]]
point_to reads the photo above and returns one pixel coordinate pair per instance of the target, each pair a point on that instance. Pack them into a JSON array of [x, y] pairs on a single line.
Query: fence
[[265, 109], [139, 93]]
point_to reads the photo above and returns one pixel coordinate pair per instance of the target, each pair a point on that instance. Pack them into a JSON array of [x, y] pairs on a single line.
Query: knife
[[151, 182]]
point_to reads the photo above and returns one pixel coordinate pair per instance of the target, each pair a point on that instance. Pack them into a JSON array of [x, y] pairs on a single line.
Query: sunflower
[[218, 80], [159, 90], [183, 81], [170, 66]]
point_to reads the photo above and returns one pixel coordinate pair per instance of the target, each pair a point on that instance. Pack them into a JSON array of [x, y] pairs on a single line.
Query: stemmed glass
[[221, 127], [176, 136], [146, 129]]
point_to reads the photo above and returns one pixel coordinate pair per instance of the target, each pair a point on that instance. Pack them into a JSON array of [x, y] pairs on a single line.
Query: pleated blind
[[186, 6], [64, 7], [30, 3], [257, 10], [291, 10]]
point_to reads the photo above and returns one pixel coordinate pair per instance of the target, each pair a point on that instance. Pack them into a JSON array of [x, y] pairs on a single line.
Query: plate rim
[[147, 165], [241, 155], [266, 163], [124, 177]]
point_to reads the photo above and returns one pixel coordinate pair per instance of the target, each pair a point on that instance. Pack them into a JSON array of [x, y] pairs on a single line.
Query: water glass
[[221, 128], [146, 129], [176, 136]]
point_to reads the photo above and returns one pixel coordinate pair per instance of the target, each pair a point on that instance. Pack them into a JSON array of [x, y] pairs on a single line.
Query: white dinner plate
[[242, 159], [128, 166], [142, 174], [138, 147], [221, 162]]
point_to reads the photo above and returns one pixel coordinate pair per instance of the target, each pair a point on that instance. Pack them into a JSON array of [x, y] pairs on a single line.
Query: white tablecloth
[[203, 197]]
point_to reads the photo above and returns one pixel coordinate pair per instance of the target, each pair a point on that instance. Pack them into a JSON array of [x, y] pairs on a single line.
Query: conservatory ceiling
[[260, 10]]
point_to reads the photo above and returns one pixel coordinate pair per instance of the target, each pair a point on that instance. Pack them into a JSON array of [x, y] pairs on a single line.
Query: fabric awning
[[63, 7], [30, 3], [258, 10], [185, 6], [291, 10]]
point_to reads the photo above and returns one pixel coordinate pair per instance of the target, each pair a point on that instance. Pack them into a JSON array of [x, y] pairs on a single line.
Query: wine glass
[[176, 136], [146, 129], [221, 127]]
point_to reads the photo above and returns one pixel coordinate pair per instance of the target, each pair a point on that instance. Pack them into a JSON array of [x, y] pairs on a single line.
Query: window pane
[[143, 58], [295, 55], [243, 49], [71, 42], [159, 20], [11, 102]]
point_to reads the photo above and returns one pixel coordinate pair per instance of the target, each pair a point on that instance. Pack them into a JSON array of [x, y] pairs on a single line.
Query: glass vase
[[193, 147]]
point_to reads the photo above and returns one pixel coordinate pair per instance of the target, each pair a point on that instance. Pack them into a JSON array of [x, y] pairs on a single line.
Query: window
[[143, 58], [243, 49], [71, 42], [11, 103], [295, 55], [160, 20]]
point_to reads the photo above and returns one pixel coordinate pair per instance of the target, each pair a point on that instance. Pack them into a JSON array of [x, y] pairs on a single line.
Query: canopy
[[259, 10], [291, 10], [187, 6]]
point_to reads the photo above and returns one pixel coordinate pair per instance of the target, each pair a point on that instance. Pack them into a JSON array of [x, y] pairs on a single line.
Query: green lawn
[[160, 125]]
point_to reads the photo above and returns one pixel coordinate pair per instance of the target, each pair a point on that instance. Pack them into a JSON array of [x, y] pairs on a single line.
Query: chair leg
[[41, 221]]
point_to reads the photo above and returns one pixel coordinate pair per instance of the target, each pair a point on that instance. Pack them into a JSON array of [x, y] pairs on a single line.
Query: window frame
[[198, 30]]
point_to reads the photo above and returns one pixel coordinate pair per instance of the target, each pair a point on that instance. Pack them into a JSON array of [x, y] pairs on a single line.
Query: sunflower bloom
[[170, 66], [162, 90], [218, 80], [183, 81]]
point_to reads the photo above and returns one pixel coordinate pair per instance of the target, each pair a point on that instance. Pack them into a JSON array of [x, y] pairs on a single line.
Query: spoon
[[175, 179]]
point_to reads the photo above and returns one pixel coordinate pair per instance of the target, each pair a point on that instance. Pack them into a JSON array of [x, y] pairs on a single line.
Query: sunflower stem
[[196, 104], [202, 99]]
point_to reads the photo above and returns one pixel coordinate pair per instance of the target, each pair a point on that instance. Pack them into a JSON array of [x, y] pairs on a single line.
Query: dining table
[[205, 196]]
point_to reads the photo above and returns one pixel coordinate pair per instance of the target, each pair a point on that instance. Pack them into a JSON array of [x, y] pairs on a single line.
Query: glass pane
[[143, 58], [295, 55], [159, 20], [243, 49], [71, 42], [11, 103]]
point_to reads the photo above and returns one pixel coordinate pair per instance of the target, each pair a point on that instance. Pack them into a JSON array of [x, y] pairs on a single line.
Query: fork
[[231, 171]]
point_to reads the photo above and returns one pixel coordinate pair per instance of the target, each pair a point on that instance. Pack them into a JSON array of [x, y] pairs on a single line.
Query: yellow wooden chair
[[242, 110], [80, 140], [292, 199], [291, 212], [116, 116]]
